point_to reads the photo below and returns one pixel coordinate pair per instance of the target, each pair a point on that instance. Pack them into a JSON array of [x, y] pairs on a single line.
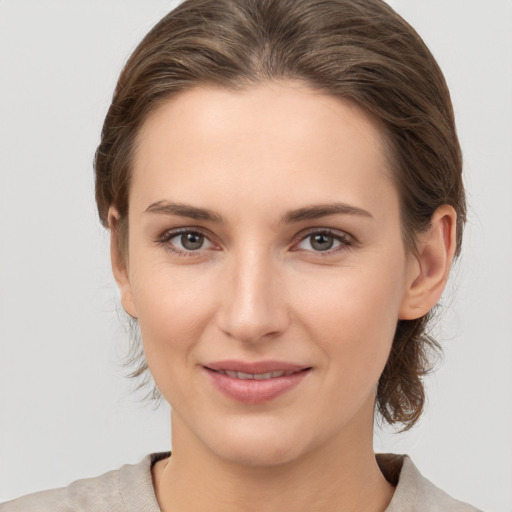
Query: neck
[[329, 478]]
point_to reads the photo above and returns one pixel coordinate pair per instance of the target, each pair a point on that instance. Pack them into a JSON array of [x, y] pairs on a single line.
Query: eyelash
[[345, 241], [166, 237]]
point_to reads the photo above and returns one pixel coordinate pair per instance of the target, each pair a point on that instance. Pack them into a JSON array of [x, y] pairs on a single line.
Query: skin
[[259, 289]]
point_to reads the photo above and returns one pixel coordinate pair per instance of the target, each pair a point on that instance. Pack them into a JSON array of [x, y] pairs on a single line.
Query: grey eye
[[186, 241], [321, 242], [192, 241], [324, 241]]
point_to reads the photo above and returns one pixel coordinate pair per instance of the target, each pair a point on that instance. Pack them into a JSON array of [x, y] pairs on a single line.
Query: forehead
[[277, 142]]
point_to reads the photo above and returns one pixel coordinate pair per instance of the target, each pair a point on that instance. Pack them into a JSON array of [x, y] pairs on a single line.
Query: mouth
[[256, 376], [255, 383]]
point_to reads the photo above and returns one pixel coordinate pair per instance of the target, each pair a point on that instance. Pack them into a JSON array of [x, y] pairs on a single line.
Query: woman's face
[[264, 237]]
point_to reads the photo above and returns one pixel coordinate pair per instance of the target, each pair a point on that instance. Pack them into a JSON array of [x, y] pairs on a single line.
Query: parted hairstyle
[[358, 50]]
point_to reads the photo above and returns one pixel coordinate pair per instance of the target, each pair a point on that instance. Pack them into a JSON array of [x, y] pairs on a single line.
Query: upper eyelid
[[171, 233], [329, 231]]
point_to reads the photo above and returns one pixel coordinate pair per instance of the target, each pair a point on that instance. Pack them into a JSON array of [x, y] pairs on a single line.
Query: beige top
[[130, 489]]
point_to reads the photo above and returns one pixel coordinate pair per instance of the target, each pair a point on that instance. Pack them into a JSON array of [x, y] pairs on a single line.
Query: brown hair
[[359, 50]]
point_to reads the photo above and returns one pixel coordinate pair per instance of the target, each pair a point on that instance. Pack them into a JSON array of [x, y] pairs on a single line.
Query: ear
[[119, 260], [430, 265]]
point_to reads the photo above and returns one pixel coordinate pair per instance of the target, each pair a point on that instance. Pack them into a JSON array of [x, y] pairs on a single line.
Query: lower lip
[[252, 391]]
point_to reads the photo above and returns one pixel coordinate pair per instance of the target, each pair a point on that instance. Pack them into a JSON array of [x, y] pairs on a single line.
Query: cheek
[[170, 298], [173, 310], [353, 316]]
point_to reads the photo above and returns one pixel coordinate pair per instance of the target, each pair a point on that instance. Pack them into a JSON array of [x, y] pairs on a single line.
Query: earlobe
[[430, 266], [119, 260]]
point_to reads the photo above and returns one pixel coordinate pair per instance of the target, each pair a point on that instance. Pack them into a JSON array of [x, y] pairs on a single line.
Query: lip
[[254, 367], [251, 391]]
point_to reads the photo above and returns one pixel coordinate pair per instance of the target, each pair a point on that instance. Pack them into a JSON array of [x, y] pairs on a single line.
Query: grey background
[[66, 411]]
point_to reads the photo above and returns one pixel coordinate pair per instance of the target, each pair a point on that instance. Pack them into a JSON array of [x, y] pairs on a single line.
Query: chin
[[260, 444], [259, 453]]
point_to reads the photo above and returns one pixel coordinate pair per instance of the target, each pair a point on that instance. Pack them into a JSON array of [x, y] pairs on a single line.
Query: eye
[[324, 241], [185, 241]]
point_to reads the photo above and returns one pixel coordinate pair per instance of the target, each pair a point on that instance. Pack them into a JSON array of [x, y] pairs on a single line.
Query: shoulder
[[126, 489], [414, 492]]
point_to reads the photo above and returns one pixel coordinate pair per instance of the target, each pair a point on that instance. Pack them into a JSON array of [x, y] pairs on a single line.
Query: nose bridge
[[252, 306]]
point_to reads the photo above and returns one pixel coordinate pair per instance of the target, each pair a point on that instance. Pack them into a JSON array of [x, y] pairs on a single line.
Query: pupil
[[192, 241], [322, 242]]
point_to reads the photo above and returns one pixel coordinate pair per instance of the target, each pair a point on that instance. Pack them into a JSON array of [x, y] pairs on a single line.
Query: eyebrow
[[184, 210], [323, 210], [298, 215]]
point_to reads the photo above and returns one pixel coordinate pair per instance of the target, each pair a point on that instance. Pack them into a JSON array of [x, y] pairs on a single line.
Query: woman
[[282, 184]]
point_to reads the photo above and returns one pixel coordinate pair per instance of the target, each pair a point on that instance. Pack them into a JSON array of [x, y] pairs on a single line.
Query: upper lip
[[255, 367]]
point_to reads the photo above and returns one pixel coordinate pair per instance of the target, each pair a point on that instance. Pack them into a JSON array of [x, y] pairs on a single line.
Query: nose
[[252, 298]]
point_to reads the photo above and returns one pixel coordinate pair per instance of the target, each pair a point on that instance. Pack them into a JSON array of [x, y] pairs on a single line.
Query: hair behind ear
[[400, 393]]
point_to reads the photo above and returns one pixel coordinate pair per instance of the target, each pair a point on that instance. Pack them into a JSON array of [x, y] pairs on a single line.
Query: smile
[[254, 376], [254, 383]]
